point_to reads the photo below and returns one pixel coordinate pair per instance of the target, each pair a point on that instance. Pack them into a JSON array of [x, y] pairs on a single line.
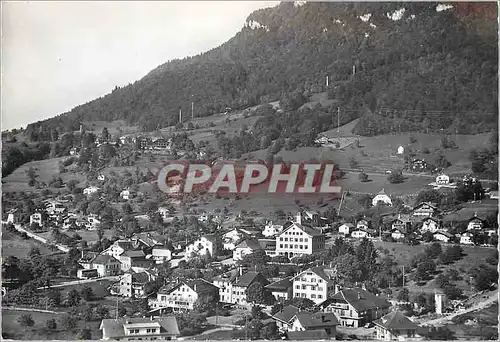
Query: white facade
[[202, 246], [345, 229], [401, 150], [430, 225], [475, 224], [359, 234], [382, 197], [90, 190], [36, 218], [309, 284], [442, 180], [271, 230], [180, 299], [299, 240], [466, 239], [161, 255], [441, 237], [125, 194]]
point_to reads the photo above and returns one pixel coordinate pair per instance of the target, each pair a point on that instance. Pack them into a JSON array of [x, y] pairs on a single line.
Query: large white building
[[204, 246], [182, 295], [147, 329], [316, 284], [297, 239], [233, 285]]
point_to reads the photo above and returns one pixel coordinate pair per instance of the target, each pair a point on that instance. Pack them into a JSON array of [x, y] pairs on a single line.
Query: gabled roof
[[286, 314], [141, 277], [475, 218], [432, 205], [396, 321], [364, 302], [315, 334], [316, 320], [209, 237], [134, 254], [280, 285], [306, 229], [115, 327], [200, 286], [249, 243], [248, 278], [430, 218], [348, 224], [103, 259], [382, 192], [324, 273], [267, 244], [448, 235]]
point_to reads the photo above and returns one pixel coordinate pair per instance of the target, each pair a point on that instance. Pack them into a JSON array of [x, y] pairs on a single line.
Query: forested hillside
[[416, 68]]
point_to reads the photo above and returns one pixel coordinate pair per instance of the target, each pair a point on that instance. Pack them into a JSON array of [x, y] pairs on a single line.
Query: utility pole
[[338, 120], [327, 83], [403, 276], [180, 115], [192, 109]]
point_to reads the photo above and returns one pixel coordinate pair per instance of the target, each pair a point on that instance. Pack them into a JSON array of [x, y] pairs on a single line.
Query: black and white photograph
[[249, 170]]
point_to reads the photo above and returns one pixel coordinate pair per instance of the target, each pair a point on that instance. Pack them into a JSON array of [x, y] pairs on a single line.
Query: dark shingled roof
[[141, 277], [286, 314], [396, 321], [306, 229], [326, 273], [134, 254], [280, 285], [248, 278], [317, 320], [200, 286], [250, 243], [316, 334], [366, 301], [114, 328], [103, 259]]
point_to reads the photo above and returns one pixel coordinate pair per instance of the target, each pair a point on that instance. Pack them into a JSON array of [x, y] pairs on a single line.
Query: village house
[[161, 254], [356, 307], [90, 190], [430, 224], [74, 151], [467, 238], [147, 329], [401, 150], [54, 207], [93, 222], [11, 216], [165, 214], [182, 295], [346, 228], [443, 236], [118, 248], [204, 246], [425, 209], [395, 327], [475, 223], [360, 233], [284, 316], [442, 179], [135, 260], [269, 246], [105, 265], [246, 247], [271, 230], [307, 321], [282, 290], [401, 223], [232, 238], [159, 143], [126, 194], [382, 197], [37, 218], [101, 177], [399, 233], [418, 165], [494, 194], [147, 240], [297, 239], [133, 284], [232, 285], [316, 284]]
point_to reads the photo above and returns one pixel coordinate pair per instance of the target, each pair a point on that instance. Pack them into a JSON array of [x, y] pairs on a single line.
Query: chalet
[[126, 194], [11, 216], [133, 284], [38, 218], [246, 247], [204, 246], [467, 238], [271, 230], [282, 290], [93, 222], [233, 285], [362, 233], [356, 307], [402, 223], [382, 197], [308, 321], [269, 246], [443, 179], [395, 327], [101, 177], [90, 190], [430, 224], [399, 233], [316, 284], [163, 328], [346, 228], [283, 317], [164, 213], [135, 260], [363, 224], [475, 223], [443, 236], [118, 248], [401, 150], [298, 239], [425, 209], [231, 238], [105, 265], [418, 165], [161, 254], [182, 295], [54, 207]]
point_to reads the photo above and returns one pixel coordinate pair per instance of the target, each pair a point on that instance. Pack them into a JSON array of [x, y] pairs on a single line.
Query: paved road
[[79, 282], [479, 306]]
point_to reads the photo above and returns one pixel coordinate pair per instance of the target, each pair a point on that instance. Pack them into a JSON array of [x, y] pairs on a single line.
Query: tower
[[440, 299]]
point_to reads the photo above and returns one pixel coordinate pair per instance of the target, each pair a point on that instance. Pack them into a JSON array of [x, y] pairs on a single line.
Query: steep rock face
[[427, 64]]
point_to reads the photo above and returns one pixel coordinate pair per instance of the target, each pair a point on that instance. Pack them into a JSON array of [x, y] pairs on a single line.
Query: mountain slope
[[426, 68]]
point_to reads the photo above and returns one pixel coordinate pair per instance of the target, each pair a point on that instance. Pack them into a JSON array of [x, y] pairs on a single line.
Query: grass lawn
[[45, 169], [225, 334], [14, 245], [99, 288], [113, 126], [12, 330]]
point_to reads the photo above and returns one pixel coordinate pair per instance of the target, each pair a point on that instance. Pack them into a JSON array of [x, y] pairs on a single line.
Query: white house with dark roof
[[231, 238], [118, 248], [105, 265], [161, 254], [133, 284], [475, 223], [346, 228], [425, 209], [442, 179], [182, 295], [395, 327], [246, 247], [317, 321], [271, 229], [298, 239], [283, 317], [443, 236], [355, 307], [430, 224], [204, 246], [90, 190], [316, 284], [232, 285], [383, 198], [135, 260], [282, 290], [467, 238], [127, 329]]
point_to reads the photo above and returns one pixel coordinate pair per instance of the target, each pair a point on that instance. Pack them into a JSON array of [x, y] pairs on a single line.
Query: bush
[[26, 320], [395, 177], [51, 324], [363, 177]]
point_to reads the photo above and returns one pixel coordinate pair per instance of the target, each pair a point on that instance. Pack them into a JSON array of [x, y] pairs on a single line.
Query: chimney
[[241, 270], [323, 319], [359, 295], [298, 218]]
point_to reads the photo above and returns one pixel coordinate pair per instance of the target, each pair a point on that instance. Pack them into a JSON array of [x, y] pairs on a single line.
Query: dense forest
[[422, 69]]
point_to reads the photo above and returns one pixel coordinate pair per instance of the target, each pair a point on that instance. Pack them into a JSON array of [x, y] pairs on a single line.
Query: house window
[[313, 296], [297, 287], [320, 296]]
